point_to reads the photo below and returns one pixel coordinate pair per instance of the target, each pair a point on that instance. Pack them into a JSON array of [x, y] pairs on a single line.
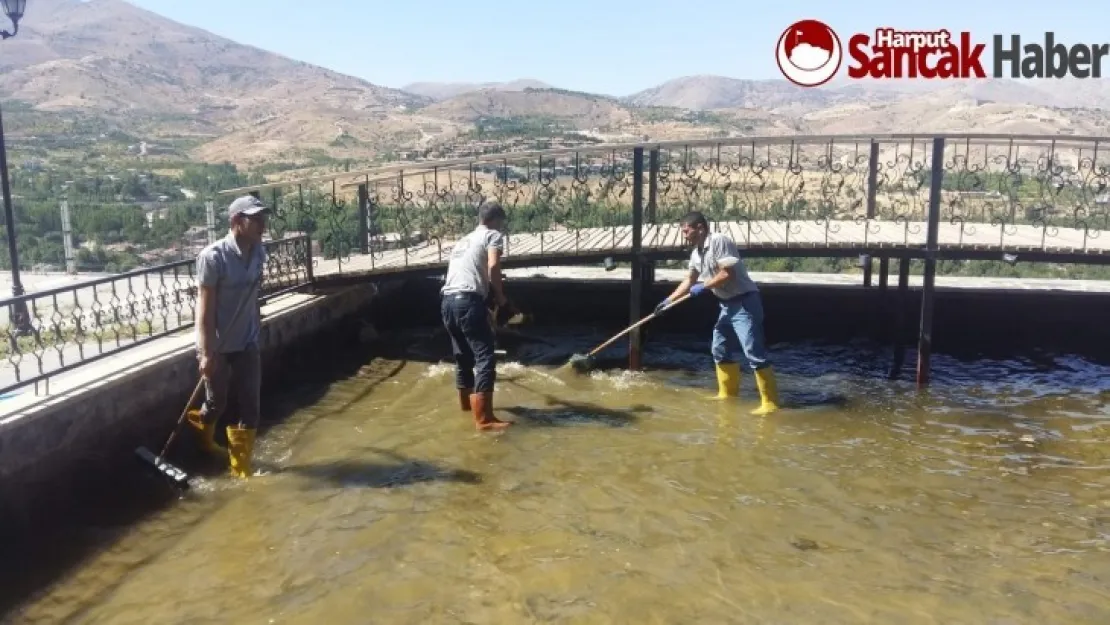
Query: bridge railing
[[993, 192], [52, 331]]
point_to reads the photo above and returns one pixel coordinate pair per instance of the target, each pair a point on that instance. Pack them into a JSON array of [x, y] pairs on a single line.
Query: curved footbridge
[[1036, 198], [901, 197], [765, 238]]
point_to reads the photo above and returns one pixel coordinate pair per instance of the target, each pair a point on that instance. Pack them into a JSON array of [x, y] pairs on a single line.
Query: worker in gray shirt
[[473, 275], [228, 324], [716, 260]]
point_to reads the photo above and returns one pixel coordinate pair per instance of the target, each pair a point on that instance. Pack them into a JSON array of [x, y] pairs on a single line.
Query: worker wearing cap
[[228, 324], [473, 275], [716, 261]]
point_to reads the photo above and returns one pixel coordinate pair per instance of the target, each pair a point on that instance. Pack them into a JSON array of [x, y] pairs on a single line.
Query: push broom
[[583, 363], [175, 474]]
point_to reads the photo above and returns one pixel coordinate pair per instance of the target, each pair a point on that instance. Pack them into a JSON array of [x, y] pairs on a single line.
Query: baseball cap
[[246, 205]]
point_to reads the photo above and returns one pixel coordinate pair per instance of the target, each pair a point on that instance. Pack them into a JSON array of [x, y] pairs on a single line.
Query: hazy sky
[[615, 47]]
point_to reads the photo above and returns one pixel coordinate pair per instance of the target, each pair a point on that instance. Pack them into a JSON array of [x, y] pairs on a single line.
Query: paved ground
[[120, 364], [33, 281]]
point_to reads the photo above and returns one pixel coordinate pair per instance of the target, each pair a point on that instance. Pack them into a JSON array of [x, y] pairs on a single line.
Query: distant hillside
[[152, 75], [716, 92], [105, 77], [943, 111], [580, 110], [444, 90]]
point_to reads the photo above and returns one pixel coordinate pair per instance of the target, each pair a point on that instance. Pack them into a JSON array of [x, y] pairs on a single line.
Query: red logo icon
[[809, 53]]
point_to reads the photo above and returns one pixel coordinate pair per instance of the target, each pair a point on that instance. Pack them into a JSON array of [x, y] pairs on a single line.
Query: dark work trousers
[[467, 321], [237, 376]]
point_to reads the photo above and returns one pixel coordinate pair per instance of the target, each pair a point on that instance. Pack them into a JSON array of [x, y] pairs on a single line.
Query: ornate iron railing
[[48, 332], [779, 194]]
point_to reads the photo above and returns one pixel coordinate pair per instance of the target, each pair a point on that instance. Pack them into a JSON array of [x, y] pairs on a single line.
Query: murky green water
[[632, 498]]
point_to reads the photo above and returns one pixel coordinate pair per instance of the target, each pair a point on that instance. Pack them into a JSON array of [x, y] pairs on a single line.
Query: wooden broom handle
[[634, 326]]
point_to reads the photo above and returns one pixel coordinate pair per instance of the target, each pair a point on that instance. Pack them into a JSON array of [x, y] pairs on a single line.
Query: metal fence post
[[872, 189], [925, 336], [363, 218], [647, 272], [308, 262], [635, 338]]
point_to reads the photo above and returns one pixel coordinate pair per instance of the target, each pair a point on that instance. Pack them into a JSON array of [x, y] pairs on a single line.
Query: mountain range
[[98, 71]]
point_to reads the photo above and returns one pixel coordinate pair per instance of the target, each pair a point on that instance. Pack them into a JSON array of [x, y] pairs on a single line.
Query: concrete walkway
[[87, 378]]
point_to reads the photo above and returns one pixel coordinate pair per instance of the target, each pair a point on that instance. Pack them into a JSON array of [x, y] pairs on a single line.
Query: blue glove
[[662, 306], [697, 289]]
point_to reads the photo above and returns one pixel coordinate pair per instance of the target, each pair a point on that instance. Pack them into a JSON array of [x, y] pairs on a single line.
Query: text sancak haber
[[933, 54]]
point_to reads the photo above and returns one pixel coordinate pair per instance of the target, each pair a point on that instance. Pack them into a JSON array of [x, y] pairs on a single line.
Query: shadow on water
[[396, 471], [562, 412]]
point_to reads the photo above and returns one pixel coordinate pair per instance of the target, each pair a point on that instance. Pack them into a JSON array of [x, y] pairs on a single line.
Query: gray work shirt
[[720, 250], [236, 278], [466, 272]]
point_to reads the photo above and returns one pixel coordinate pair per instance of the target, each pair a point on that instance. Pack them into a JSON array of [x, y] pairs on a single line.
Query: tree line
[[115, 216]]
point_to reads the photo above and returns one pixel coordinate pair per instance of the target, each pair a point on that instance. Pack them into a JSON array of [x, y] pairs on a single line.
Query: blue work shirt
[[237, 281]]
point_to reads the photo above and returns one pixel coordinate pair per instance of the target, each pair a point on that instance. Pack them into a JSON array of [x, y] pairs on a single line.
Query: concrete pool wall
[[971, 316]]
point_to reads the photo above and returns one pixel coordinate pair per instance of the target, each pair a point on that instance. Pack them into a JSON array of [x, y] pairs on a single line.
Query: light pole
[[14, 10]]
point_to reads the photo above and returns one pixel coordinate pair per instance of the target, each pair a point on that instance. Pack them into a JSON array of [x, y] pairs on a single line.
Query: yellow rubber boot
[[768, 391], [728, 380], [206, 431], [240, 446]]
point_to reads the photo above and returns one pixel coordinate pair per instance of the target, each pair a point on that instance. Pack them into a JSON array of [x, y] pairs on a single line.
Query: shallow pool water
[[634, 498]]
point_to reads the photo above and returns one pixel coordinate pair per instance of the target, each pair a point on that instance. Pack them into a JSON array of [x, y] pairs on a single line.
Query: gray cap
[[246, 205]]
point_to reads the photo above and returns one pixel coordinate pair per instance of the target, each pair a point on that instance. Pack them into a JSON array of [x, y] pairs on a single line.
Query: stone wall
[[51, 451]]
